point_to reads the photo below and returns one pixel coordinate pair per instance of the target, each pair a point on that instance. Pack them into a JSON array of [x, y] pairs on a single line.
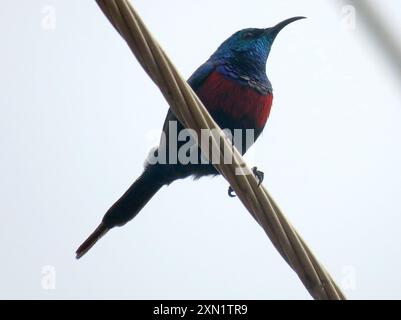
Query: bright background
[[78, 115]]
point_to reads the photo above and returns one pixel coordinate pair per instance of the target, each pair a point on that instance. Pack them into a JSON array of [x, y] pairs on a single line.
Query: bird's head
[[251, 46]]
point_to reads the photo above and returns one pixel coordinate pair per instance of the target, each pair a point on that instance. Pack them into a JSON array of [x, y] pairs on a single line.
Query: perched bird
[[236, 91]]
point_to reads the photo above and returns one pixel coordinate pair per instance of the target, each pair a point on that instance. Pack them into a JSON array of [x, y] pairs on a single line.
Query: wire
[[192, 114]]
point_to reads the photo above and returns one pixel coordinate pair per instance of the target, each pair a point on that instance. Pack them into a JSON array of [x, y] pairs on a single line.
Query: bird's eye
[[248, 35]]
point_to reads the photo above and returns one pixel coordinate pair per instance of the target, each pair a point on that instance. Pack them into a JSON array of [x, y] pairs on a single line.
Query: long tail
[[125, 209]]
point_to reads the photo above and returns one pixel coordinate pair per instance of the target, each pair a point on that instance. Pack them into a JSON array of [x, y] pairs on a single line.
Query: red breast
[[236, 100]]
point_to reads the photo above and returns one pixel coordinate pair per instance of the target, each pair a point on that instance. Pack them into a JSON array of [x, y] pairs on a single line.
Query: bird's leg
[[231, 193], [258, 174]]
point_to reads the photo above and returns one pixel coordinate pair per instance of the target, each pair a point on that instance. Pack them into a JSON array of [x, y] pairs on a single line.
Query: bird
[[234, 87]]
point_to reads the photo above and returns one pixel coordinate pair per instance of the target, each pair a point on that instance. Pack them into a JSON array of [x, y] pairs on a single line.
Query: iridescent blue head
[[247, 50]]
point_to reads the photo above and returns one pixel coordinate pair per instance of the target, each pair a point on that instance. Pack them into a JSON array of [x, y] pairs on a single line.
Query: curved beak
[[273, 31]]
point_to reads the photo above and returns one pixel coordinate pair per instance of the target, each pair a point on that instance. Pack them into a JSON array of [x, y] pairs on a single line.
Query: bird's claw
[[231, 193], [258, 174]]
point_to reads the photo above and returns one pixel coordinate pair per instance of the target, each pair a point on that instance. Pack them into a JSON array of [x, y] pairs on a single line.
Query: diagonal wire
[[192, 114], [379, 31]]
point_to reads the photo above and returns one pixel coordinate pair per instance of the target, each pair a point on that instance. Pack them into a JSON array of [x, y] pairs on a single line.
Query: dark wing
[[201, 74], [195, 81]]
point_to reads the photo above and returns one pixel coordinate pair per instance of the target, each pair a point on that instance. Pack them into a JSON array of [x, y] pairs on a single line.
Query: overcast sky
[[78, 116]]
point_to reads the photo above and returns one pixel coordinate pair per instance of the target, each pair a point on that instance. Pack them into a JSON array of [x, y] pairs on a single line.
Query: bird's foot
[[231, 193], [258, 174]]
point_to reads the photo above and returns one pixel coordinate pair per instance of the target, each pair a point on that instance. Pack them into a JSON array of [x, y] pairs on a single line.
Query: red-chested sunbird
[[236, 91]]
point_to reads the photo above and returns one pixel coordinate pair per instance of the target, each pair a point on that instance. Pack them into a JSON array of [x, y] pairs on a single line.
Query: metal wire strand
[[192, 114]]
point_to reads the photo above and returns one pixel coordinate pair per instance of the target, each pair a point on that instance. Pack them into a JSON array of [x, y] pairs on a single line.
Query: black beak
[[273, 31]]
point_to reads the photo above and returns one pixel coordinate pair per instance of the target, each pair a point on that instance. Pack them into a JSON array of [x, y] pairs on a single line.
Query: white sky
[[77, 115]]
